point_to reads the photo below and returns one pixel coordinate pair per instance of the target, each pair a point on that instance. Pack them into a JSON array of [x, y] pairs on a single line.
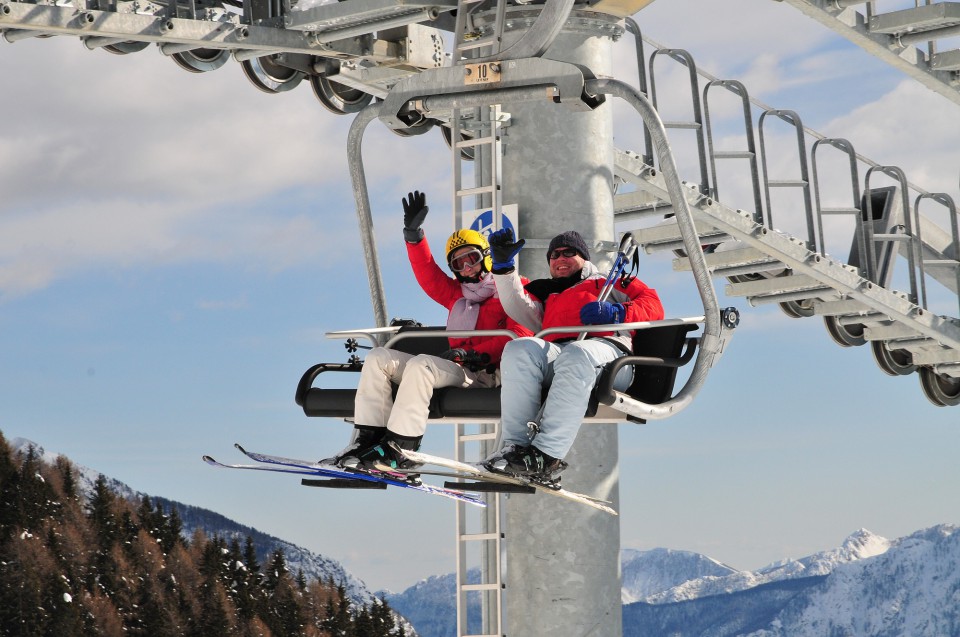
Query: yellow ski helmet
[[473, 238]]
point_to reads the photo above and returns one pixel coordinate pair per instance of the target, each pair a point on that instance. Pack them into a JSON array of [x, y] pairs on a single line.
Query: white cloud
[[120, 161]]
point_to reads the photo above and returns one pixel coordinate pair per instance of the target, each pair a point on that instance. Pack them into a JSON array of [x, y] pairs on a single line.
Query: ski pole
[[628, 247]]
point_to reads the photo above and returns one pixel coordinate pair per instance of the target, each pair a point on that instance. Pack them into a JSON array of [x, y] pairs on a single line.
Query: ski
[[477, 472], [280, 464]]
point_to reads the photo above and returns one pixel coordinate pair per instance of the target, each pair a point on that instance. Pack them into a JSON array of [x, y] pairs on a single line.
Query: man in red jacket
[[567, 366], [471, 298]]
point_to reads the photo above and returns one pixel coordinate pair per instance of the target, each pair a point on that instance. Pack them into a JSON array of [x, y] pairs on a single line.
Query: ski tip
[[237, 445], [209, 460]]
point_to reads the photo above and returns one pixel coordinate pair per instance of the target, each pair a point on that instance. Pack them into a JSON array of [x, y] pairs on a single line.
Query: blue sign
[[484, 223]]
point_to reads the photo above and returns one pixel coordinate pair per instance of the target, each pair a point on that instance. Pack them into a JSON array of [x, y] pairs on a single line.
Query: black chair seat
[[658, 353]]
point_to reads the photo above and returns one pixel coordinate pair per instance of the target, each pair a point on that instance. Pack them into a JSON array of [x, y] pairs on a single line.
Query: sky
[[174, 247]]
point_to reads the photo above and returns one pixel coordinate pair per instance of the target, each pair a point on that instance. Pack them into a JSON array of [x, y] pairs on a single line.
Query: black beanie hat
[[569, 239]]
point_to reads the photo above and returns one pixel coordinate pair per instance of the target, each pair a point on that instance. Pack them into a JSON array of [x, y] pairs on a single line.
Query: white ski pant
[[569, 370], [417, 376]]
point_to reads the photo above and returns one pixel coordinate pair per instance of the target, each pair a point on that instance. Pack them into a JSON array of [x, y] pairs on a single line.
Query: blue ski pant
[[569, 370]]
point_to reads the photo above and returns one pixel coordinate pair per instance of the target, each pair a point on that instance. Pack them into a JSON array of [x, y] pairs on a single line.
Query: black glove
[[474, 361], [503, 249], [414, 212], [456, 354]]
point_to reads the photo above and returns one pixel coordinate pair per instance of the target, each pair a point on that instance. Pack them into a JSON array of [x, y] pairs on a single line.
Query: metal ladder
[[768, 266], [488, 538], [476, 139]]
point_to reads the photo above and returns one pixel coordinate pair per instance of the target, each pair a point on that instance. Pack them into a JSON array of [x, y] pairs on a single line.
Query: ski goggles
[[567, 253], [466, 260]]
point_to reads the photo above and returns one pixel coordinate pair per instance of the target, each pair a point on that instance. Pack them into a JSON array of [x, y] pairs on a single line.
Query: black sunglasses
[[568, 253]]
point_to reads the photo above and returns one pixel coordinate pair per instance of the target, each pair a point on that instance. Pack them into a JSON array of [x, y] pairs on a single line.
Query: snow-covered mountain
[[647, 574], [859, 545], [868, 586], [312, 564]]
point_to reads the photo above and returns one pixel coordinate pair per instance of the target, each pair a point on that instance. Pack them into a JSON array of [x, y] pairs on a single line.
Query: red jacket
[[446, 290], [640, 302]]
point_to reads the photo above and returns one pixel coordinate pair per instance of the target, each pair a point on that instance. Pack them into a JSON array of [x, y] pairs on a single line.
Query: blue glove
[[503, 248], [602, 313]]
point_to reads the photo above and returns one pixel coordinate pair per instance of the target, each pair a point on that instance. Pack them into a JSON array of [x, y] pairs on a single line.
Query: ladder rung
[[468, 192], [786, 183], [942, 263], [475, 141], [733, 154], [837, 211], [687, 125], [479, 537], [480, 587], [892, 237]]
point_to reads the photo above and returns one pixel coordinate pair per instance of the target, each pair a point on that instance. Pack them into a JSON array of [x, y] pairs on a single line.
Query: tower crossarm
[[892, 37], [341, 31]]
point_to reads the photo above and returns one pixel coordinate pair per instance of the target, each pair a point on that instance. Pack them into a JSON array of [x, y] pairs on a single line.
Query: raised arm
[[520, 306]]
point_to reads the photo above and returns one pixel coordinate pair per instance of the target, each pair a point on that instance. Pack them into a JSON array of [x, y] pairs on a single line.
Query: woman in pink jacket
[[473, 304]]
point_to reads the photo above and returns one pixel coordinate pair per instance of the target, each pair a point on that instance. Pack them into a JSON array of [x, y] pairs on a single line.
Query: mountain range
[[868, 586]]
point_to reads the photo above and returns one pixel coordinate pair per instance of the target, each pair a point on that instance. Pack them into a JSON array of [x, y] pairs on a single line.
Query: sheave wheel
[[419, 129], [942, 391], [123, 48], [270, 77], [338, 98], [797, 309], [893, 362], [844, 335], [201, 60]]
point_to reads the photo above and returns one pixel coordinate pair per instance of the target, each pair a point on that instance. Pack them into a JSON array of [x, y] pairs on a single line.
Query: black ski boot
[[387, 455], [363, 438], [529, 462]]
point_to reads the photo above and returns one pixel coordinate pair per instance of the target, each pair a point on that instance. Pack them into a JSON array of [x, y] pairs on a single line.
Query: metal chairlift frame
[[417, 96]]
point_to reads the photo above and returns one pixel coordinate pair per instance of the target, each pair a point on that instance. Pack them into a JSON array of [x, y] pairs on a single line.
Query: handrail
[[619, 327], [373, 332], [449, 334]]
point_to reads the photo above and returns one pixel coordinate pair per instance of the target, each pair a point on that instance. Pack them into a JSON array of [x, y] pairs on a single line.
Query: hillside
[[81, 554]]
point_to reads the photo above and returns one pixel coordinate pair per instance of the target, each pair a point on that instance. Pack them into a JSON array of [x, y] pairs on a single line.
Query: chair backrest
[[433, 345], [653, 384]]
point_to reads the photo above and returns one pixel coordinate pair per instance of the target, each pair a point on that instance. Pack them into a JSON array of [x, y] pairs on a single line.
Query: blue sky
[[174, 246]]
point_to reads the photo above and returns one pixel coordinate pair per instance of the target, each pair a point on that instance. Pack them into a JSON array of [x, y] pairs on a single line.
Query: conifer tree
[[172, 531], [101, 513]]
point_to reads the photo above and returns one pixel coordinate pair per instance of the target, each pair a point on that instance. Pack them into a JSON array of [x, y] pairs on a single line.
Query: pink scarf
[[466, 310]]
